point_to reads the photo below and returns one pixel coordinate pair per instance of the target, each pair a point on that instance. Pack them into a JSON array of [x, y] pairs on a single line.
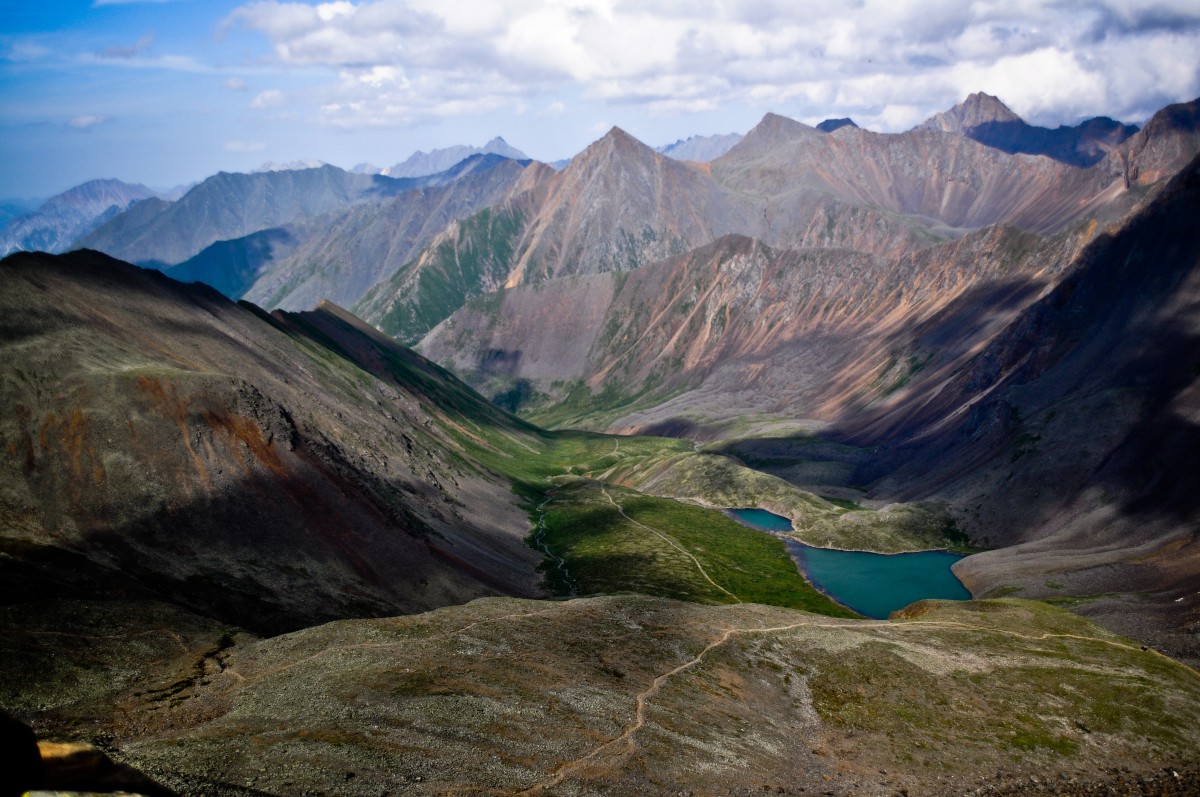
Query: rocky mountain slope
[[619, 205], [337, 256], [60, 220], [1084, 409], [340, 256], [805, 333], [819, 332], [271, 471]]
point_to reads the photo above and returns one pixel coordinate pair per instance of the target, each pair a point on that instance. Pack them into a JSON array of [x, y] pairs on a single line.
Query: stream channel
[[872, 584]]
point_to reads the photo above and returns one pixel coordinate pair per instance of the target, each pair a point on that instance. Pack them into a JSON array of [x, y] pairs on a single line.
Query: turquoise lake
[[871, 584]]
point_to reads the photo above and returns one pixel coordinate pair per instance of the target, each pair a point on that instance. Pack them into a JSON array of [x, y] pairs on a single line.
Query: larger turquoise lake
[[872, 584]]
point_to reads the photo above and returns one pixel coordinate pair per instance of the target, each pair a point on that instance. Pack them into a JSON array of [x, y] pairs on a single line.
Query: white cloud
[[886, 61], [86, 121], [271, 98], [553, 110], [244, 146], [236, 84]]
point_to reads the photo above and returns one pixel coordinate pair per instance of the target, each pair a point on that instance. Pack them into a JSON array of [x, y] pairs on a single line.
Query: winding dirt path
[[625, 740], [670, 541]]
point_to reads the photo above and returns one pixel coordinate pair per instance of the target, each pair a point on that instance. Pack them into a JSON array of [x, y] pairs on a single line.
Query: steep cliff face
[[271, 471]]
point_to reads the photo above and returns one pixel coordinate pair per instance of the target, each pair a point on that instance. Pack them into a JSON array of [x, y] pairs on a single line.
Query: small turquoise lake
[[871, 584]]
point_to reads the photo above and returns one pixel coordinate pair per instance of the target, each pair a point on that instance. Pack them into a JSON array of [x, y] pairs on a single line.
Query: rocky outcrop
[[977, 109]]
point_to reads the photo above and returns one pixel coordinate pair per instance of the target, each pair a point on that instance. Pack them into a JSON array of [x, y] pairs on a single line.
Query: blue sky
[[169, 92]]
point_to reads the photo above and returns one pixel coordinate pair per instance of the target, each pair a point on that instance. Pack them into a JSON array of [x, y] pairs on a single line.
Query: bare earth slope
[[270, 471], [630, 695], [805, 333]]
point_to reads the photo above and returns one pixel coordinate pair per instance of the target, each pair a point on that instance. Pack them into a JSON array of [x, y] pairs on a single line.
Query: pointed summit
[[616, 143], [975, 110], [773, 131]]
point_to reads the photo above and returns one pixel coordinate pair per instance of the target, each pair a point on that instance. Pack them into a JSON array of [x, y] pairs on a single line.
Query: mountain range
[[422, 164], [700, 148], [976, 334]]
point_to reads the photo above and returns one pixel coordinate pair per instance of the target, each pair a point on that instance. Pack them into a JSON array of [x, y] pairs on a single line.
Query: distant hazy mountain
[[420, 163], [701, 148], [231, 205], [829, 125], [67, 216], [11, 208], [291, 166], [341, 255], [987, 120]]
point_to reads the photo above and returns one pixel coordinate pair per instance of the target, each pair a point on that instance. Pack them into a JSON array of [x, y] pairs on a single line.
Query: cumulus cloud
[[887, 62], [85, 121]]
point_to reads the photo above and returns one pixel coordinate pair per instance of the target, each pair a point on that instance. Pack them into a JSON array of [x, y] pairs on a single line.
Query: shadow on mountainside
[[166, 441], [1092, 387]]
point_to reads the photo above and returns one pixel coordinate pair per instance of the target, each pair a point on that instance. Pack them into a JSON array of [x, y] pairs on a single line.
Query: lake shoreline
[[866, 582]]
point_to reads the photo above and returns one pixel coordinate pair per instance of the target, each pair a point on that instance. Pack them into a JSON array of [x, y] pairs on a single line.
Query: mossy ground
[[618, 540]]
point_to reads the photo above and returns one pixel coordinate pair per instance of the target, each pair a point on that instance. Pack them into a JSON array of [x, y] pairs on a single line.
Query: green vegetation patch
[[616, 540]]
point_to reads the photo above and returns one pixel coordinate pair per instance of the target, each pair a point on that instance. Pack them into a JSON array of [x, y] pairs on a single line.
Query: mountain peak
[[977, 109], [829, 125], [614, 141], [772, 131]]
